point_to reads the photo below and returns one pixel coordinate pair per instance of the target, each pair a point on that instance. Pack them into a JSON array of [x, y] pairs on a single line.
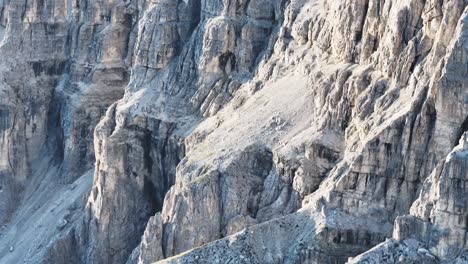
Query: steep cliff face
[[436, 226], [59, 75], [190, 58], [63, 64], [261, 131]]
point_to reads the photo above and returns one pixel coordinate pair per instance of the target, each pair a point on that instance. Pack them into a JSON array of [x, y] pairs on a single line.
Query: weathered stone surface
[[391, 251], [437, 228], [261, 131], [440, 214], [393, 137]]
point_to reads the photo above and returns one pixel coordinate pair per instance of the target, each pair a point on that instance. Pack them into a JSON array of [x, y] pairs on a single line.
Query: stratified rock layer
[[261, 131]]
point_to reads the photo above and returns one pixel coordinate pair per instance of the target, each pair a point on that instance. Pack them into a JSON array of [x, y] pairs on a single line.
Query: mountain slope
[[301, 131]]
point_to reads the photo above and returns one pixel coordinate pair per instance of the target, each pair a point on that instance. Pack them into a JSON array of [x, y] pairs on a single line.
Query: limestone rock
[[243, 131]]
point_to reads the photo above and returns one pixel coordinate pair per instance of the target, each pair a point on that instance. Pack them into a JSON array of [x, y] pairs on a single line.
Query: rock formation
[[233, 131]]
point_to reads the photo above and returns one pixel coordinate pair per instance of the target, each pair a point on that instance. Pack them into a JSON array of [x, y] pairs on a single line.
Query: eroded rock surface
[[261, 131]]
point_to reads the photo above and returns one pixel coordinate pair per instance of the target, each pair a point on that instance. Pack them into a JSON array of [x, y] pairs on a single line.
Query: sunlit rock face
[[217, 131]]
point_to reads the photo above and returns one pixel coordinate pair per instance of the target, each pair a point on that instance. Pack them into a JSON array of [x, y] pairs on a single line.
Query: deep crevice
[[463, 128]]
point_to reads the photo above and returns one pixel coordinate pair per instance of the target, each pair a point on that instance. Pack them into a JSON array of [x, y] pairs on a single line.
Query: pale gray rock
[[388, 110], [439, 215], [195, 58], [56, 85], [436, 228], [392, 251], [150, 247], [63, 64], [261, 131]]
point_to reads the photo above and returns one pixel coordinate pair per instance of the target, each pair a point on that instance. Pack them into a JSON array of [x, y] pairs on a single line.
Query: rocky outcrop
[[439, 215], [389, 113], [302, 131], [59, 74], [57, 82], [436, 229], [190, 57]]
